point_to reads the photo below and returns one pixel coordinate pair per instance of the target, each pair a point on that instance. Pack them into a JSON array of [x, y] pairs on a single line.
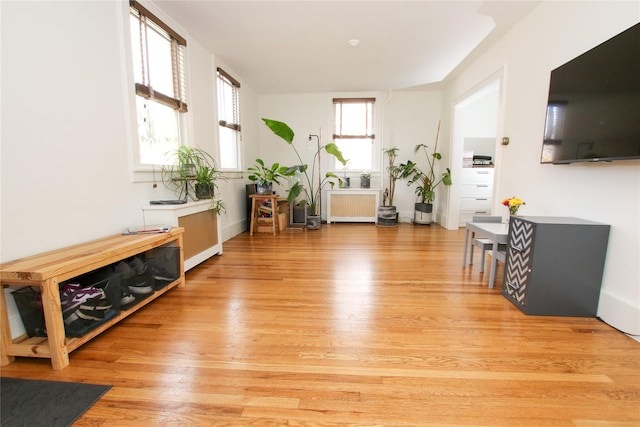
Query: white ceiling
[[302, 46]]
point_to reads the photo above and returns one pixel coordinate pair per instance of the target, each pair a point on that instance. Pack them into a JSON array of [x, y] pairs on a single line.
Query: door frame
[[494, 82]]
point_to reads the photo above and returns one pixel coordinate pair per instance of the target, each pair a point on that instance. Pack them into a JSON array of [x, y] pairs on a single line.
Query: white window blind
[[158, 55], [354, 131], [229, 120]]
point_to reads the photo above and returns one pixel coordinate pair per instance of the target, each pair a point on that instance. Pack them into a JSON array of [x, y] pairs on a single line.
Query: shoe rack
[[48, 270]]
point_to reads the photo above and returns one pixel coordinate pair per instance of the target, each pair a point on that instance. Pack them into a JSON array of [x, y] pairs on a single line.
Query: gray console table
[[554, 265]]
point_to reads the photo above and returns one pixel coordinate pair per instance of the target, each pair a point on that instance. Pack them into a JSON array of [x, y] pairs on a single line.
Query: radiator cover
[[354, 205]]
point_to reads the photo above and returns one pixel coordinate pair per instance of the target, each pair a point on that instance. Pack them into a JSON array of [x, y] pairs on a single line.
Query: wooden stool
[[255, 211]]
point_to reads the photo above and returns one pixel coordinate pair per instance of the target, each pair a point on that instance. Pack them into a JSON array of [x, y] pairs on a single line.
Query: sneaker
[[137, 265], [161, 274], [141, 287], [124, 269], [142, 282], [126, 298], [93, 309], [73, 300], [67, 291]]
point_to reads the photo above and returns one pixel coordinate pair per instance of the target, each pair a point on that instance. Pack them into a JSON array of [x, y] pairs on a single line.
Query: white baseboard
[[619, 313], [232, 230]]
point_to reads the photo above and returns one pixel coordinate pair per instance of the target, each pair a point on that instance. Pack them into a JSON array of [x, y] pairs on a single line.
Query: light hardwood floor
[[351, 325]]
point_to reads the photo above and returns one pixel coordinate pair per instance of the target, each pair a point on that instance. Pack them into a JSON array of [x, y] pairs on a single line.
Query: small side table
[[256, 200]]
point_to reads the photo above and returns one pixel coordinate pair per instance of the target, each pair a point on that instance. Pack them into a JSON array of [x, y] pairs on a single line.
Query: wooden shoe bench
[[48, 270]]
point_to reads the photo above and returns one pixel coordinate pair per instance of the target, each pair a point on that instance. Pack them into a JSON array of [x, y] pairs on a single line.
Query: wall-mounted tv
[[593, 109]]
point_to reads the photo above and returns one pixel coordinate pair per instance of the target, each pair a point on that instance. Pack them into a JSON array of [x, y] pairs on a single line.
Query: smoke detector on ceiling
[[354, 42]]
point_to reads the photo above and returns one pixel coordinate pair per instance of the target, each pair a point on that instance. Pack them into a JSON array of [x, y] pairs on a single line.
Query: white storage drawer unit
[[476, 193], [476, 190]]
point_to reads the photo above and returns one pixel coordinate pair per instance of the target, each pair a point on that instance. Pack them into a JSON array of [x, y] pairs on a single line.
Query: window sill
[[146, 176]]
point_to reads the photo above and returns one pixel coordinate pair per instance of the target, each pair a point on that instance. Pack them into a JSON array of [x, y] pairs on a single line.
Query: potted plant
[[306, 183], [346, 181], [193, 174], [264, 176], [387, 213], [365, 180], [426, 182], [205, 182]]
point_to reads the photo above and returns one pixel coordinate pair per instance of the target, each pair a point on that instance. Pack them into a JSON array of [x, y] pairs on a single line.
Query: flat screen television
[[593, 109]]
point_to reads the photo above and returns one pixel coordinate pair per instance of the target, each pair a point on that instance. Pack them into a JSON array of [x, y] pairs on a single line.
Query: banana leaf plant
[[307, 183]]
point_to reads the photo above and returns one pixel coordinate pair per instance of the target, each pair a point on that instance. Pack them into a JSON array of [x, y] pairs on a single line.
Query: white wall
[[65, 168], [404, 119], [554, 33], [64, 157], [412, 118], [66, 127]]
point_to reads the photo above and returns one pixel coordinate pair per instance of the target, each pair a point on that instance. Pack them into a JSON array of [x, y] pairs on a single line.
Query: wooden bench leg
[[274, 214], [5, 331], [253, 216], [55, 325]]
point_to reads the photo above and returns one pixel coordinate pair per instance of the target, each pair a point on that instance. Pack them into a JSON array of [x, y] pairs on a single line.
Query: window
[[354, 131], [158, 61], [229, 120]]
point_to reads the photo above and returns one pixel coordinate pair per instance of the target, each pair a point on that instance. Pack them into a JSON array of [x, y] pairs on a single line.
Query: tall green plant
[[395, 172], [426, 180], [308, 187]]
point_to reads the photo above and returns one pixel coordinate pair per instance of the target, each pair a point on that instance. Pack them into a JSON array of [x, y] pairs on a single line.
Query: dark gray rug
[[36, 403]]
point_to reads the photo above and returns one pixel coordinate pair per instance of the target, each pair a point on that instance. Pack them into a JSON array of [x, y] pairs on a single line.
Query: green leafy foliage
[[263, 174], [307, 184], [426, 179]]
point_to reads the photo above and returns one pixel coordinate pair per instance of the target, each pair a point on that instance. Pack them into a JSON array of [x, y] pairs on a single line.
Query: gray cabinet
[[554, 265]]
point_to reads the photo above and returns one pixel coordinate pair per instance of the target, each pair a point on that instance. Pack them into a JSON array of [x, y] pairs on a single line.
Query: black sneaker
[[125, 270], [93, 310], [140, 287], [126, 298], [137, 265], [135, 278], [162, 274]]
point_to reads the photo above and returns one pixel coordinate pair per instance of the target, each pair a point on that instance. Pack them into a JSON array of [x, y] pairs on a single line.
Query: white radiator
[[352, 205]]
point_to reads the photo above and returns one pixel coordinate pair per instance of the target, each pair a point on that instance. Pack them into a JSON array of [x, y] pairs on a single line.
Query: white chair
[[485, 244]]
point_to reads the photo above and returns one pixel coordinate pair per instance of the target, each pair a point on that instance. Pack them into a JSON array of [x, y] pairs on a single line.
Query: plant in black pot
[[365, 180], [387, 213], [205, 185], [193, 174], [426, 181], [309, 183], [264, 176]]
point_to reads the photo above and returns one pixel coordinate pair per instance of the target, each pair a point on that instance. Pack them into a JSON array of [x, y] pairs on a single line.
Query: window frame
[[370, 125], [235, 125], [147, 172]]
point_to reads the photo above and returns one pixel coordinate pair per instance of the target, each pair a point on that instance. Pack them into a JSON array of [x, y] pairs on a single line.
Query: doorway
[[477, 119]]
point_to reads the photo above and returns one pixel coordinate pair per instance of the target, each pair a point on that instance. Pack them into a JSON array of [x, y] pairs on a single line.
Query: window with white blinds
[[158, 67], [354, 131], [229, 120]]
